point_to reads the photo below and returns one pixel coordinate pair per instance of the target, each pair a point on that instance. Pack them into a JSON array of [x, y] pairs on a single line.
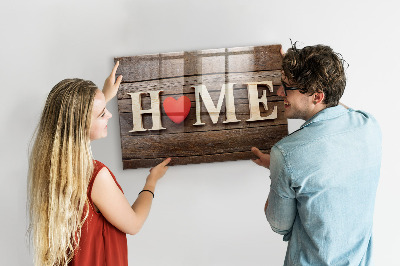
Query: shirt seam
[[286, 163], [287, 168], [328, 117], [276, 192]]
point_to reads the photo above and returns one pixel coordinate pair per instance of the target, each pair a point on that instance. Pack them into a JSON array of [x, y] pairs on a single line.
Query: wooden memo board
[[200, 106]]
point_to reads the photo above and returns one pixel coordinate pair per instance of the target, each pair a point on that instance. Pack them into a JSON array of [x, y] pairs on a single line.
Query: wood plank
[[213, 82], [180, 64], [176, 160], [201, 143]]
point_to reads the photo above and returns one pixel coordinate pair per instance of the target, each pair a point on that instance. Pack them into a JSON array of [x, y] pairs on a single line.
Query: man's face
[[297, 104]]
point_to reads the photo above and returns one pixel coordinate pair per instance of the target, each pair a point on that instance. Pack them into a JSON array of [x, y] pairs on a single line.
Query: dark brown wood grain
[[176, 74], [200, 63], [178, 160], [201, 143], [183, 85]]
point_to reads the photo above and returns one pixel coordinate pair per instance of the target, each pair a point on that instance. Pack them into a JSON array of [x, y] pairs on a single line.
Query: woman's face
[[100, 116]]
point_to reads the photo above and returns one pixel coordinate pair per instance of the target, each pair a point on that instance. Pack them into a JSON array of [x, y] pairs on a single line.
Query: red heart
[[177, 110]]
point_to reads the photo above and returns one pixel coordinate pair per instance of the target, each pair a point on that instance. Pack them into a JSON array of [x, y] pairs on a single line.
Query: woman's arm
[[114, 206]]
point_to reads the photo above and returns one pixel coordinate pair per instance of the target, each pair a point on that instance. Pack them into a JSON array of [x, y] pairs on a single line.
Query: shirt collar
[[326, 114]]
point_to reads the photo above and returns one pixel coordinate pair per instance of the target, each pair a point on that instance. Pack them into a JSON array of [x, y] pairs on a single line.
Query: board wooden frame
[[179, 74]]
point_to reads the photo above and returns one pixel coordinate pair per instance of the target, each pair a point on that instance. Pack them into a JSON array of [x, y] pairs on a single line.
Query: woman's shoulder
[[103, 170], [97, 167], [98, 164]]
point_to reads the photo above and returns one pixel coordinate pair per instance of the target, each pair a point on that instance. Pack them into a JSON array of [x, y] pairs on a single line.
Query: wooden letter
[[227, 91], [154, 111], [254, 101]]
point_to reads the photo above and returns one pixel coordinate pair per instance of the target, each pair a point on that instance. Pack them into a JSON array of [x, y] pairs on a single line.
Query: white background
[[207, 214]]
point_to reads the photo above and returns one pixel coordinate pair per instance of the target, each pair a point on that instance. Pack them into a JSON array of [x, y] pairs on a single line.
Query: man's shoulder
[[325, 130], [368, 117], [360, 121]]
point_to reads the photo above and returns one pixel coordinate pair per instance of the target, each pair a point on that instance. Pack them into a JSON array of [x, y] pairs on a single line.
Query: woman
[[78, 212]]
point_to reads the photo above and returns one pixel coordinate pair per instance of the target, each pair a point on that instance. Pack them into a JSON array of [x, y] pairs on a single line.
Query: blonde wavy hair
[[60, 167]]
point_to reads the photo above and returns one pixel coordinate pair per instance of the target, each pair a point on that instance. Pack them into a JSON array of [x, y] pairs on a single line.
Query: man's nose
[[281, 92]]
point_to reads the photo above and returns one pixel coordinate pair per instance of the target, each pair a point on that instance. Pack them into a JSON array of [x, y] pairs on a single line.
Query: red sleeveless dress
[[101, 243]]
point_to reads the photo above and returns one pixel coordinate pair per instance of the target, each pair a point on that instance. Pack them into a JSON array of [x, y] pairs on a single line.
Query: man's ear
[[318, 97]]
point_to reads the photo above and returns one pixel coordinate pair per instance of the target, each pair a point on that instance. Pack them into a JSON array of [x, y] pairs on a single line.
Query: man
[[323, 176]]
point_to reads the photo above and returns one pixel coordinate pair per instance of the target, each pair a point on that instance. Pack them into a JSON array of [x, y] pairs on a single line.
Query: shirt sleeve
[[281, 210]]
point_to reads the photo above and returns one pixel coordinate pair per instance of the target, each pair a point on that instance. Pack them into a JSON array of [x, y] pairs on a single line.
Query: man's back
[[331, 171]]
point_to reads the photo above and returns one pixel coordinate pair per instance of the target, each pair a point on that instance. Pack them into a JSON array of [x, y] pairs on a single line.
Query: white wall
[[207, 214]]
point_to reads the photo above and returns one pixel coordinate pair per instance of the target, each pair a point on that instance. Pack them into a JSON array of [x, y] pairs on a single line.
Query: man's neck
[[318, 108]]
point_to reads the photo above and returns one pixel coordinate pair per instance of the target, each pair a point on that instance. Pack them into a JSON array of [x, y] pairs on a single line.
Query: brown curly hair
[[316, 69]]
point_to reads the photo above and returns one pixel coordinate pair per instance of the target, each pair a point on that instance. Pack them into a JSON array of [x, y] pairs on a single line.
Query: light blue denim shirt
[[323, 183]]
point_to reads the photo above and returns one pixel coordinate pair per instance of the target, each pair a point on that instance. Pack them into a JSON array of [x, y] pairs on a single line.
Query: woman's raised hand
[[111, 86]]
